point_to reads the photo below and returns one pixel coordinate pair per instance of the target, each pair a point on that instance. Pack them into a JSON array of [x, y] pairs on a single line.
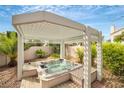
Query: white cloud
[[73, 12], [3, 14]]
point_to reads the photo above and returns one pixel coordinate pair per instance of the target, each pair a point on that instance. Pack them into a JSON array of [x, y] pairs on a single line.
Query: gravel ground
[[112, 81], [8, 78]]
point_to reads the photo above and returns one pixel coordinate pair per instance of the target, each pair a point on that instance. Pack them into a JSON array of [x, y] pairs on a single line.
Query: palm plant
[[80, 54], [8, 46]]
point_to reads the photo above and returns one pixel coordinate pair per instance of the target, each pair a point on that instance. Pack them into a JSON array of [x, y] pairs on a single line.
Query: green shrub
[[80, 54], [93, 53], [55, 55], [31, 44], [55, 48], [40, 53], [113, 57]]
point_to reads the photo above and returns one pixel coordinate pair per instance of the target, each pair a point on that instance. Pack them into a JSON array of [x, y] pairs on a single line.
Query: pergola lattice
[[57, 29]]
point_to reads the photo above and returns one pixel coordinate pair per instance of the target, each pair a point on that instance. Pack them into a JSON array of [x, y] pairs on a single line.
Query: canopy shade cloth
[[48, 26], [57, 29]]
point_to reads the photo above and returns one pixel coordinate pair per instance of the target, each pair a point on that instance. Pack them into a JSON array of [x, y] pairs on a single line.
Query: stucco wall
[[30, 53], [3, 60], [71, 51]]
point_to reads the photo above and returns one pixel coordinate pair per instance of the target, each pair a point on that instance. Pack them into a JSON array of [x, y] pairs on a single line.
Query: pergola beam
[[92, 31], [40, 38]]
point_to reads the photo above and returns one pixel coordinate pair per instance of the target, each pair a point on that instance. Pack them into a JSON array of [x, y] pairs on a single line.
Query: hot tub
[[55, 72]]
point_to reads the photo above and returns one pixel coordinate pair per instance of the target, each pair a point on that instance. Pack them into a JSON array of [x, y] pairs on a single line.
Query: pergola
[[44, 25]]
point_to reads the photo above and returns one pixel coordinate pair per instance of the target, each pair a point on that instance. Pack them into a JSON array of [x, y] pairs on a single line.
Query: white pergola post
[[20, 56], [99, 58], [87, 59], [62, 49]]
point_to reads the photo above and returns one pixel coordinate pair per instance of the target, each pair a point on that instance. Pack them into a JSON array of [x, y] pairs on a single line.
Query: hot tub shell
[[63, 77]]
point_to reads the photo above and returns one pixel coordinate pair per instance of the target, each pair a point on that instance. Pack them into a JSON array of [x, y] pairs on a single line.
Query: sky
[[98, 17]]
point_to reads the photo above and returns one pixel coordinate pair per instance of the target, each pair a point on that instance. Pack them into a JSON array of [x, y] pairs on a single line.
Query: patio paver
[[33, 82]]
